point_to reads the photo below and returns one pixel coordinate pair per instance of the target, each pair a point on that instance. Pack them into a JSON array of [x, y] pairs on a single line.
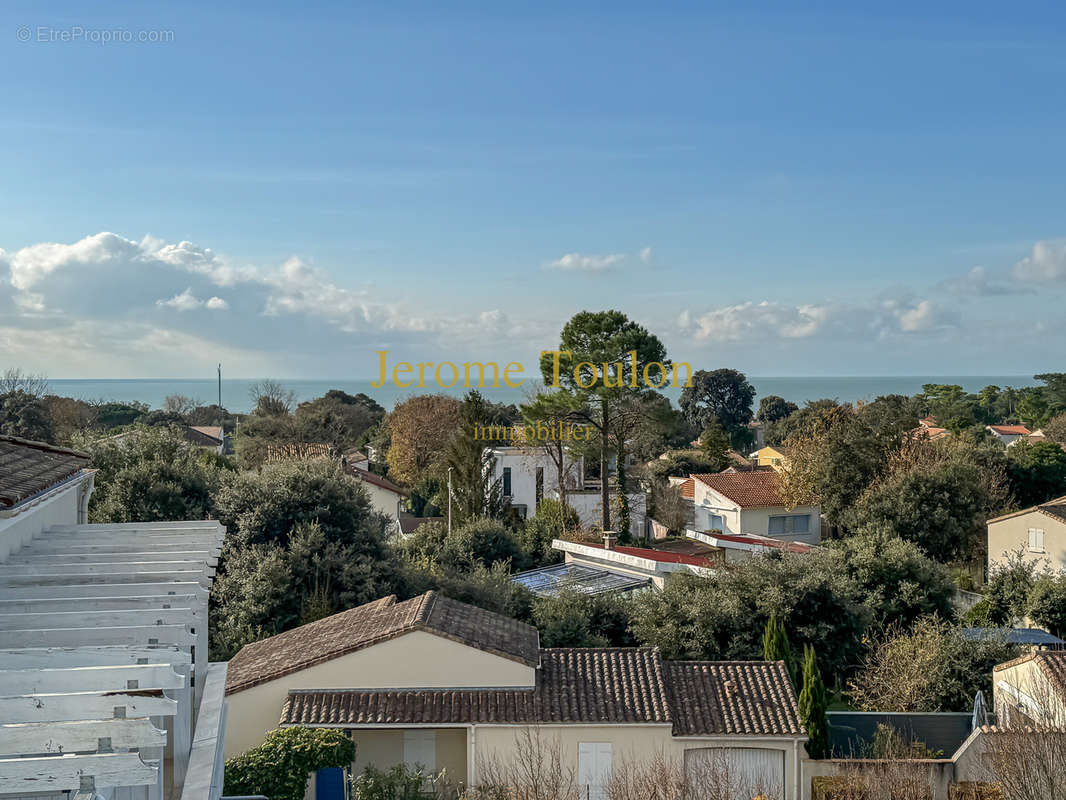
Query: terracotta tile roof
[[27, 468], [374, 478], [608, 685], [574, 685], [1010, 430], [752, 698], [371, 623], [930, 432], [746, 489], [1053, 508], [298, 451], [688, 489], [210, 435]]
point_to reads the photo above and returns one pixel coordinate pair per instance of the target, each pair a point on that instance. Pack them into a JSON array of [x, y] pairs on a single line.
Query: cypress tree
[[813, 701], [775, 646]]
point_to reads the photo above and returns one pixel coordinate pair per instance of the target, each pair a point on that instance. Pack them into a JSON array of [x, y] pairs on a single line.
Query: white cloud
[[769, 321], [576, 262], [187, 301], [978, 283], [31, 264], [646, 255], [1046, 264]]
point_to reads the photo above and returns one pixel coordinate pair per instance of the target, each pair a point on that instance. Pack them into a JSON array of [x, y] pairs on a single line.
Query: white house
[[528, 474], [750, 502], [386, 497], [1008, 434], [105, 687]]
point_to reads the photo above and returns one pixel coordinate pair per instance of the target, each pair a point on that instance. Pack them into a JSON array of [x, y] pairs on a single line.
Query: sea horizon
[[237, 399]]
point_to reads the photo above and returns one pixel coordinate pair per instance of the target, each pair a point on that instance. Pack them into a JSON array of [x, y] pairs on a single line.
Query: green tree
[[280, 766], [1037, 471], [476, 542], [577, 619], [152, 475], [813, 704], [555, 410], [775, 646], [600, 345], [1047, 603], [26, 416], [835, 456], [715, 445], [895, 580], [680, 464], [474, 490], [723, 616], [724, 394], [1054, 389], [263, 507], [773, 408], [940, 509]]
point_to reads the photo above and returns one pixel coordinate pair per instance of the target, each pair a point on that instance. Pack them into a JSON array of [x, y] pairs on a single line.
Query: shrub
[[280, 766]]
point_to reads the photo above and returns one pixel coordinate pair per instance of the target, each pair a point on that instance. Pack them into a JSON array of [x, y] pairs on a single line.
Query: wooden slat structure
[[103, 663]]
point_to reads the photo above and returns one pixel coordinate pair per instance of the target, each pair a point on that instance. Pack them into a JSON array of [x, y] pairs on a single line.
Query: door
[[330, 784], [739, 772], [593, 769]]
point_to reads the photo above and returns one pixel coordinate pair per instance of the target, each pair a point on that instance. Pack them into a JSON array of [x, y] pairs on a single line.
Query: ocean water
[[237, 398]]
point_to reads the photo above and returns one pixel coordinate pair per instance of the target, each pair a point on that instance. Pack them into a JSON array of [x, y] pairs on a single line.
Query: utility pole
[[449, 501], [221, 421]]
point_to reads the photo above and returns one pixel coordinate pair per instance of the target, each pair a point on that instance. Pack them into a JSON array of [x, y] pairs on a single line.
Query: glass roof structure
[[549, 581]]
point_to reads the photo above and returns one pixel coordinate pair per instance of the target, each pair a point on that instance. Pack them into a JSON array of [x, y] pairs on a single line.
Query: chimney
[[609, 538]]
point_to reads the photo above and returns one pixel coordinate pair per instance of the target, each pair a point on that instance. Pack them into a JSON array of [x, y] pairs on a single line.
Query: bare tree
[[15, 380], [708, 775], [534, 772], [671, 509], [271, 398], [1027, 763], [877, 780], [179, 404]]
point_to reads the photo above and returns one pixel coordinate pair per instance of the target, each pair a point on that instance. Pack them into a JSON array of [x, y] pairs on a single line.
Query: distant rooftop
[[28, 468]]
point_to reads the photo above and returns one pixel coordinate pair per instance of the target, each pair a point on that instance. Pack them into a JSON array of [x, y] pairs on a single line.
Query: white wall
[[523, 463], [61, 506], [750, 520]]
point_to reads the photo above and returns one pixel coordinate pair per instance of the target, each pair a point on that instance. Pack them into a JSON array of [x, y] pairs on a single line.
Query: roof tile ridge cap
[[663, 684], [428, 602]]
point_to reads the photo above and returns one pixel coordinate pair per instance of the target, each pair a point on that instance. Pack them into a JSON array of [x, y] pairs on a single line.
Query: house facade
[[441, 684], [1037, 534], [529, 474], [775, 456], [1008, 434], [751, 502]]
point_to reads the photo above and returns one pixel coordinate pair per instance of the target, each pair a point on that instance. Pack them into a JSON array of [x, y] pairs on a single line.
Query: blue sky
[[780, 188]]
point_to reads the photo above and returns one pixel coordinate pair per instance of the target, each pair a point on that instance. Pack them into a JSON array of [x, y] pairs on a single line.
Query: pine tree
[[775, 646], [812, 706]]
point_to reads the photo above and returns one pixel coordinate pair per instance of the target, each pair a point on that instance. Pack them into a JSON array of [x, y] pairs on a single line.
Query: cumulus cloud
[[767, 321], [187, 301], [978, 283], [646, 255], [576, 262], [1046, 264]]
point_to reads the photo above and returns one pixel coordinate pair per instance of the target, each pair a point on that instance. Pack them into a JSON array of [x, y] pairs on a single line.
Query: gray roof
[[1027, 636], [549, 581]]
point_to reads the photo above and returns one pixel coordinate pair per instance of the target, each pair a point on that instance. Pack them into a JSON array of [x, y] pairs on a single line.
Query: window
[[794, 523], [1036, 540], [506, 481], [715, 522], [593, 769], [420, 749]]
